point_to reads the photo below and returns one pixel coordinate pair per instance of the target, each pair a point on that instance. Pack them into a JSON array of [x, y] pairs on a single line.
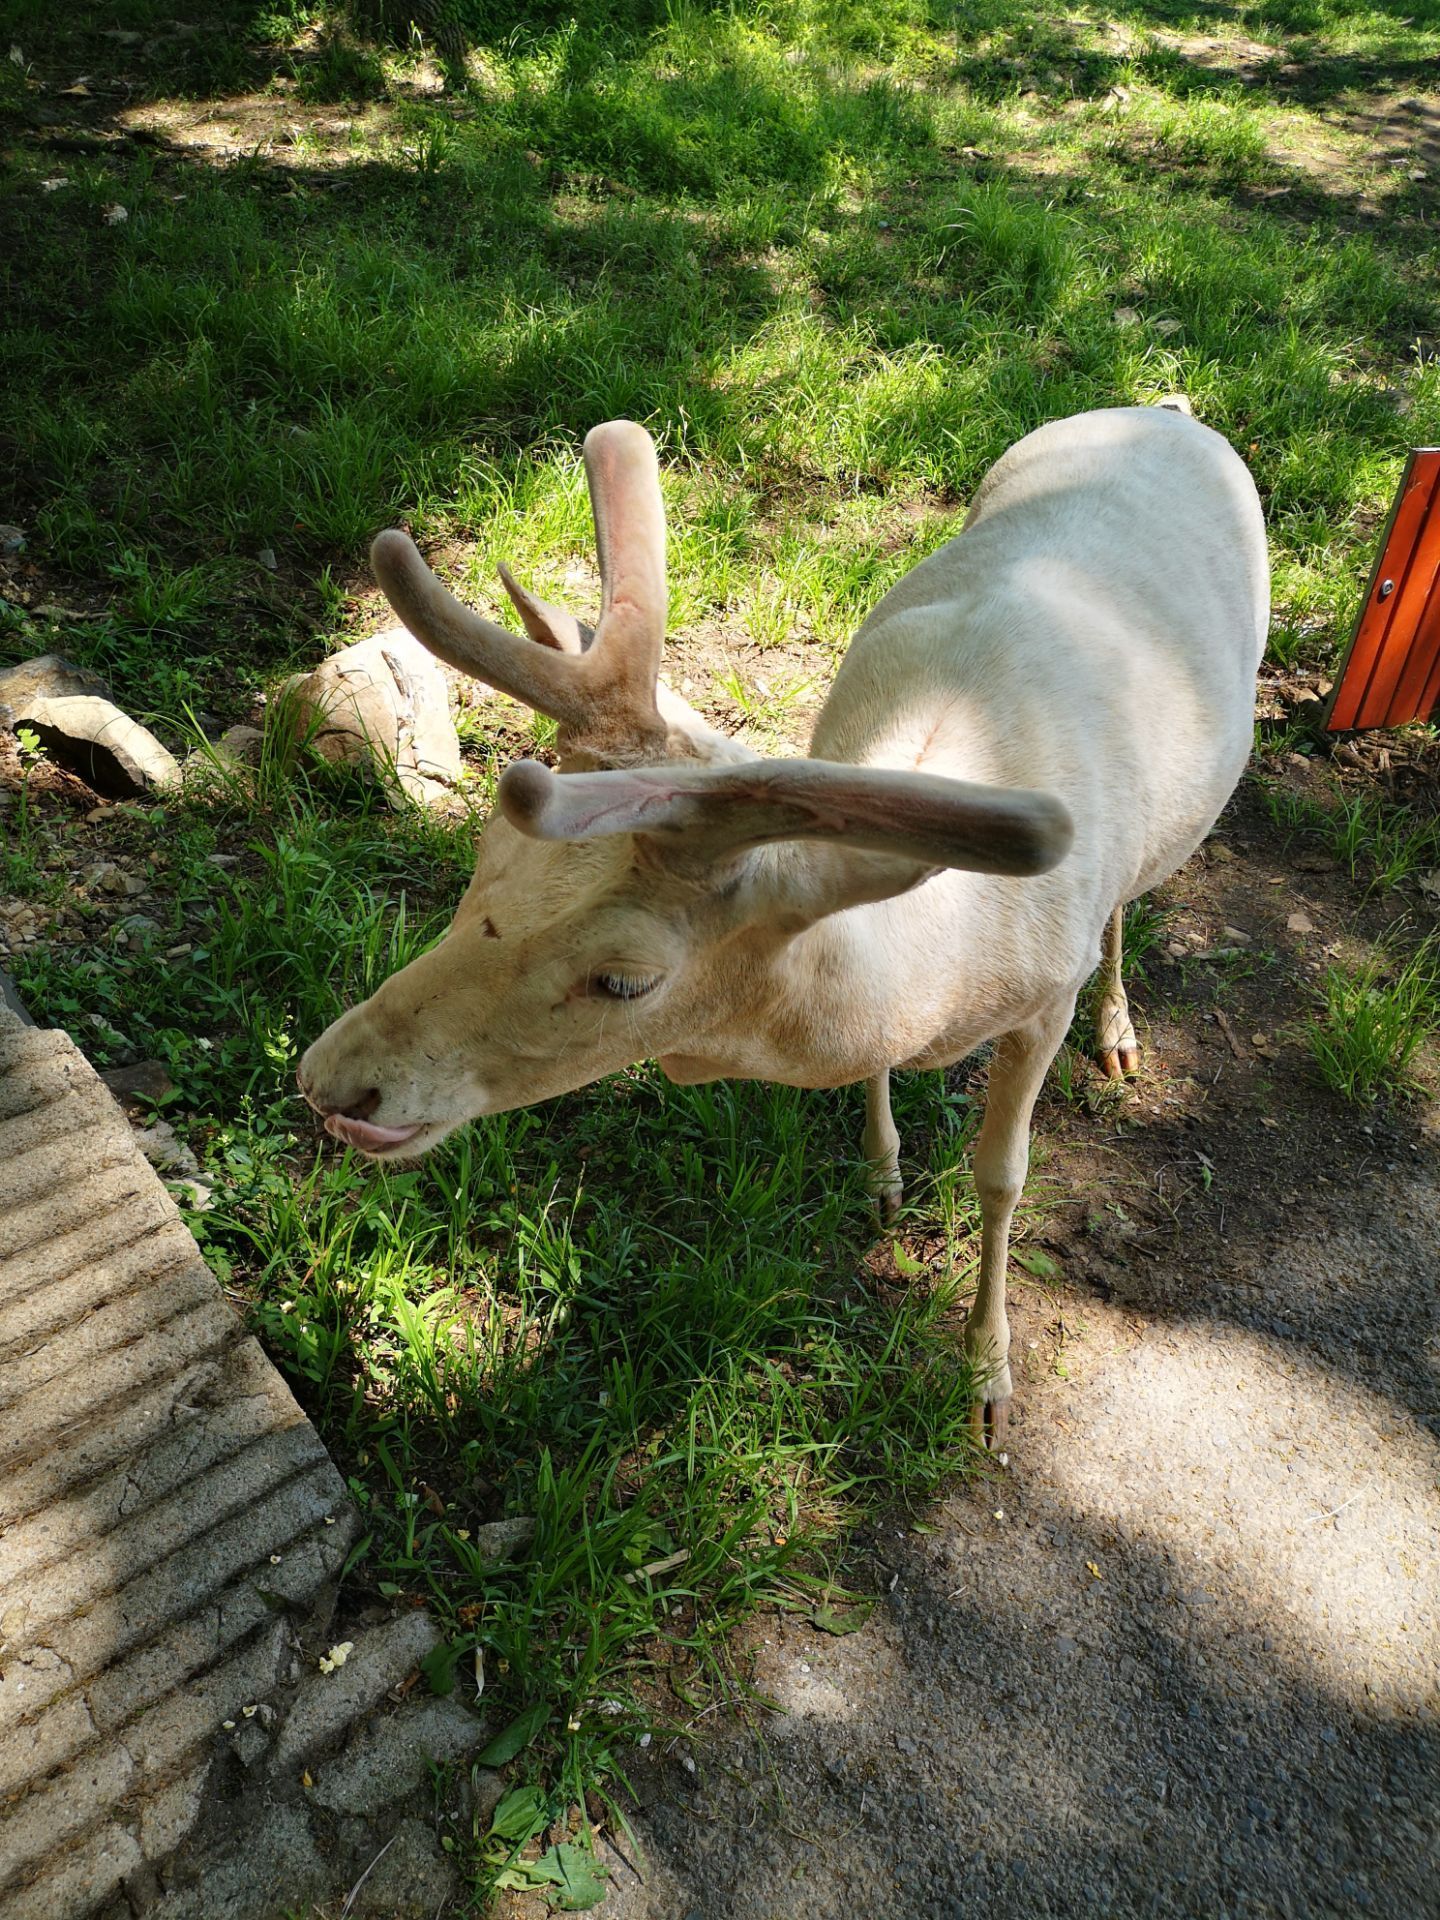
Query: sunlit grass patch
[[635, 1319], [1374, 1021]]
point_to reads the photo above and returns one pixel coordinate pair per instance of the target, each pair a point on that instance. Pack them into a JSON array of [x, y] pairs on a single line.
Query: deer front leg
[[882, 1147], [1116, 1047], [1001, 1161]]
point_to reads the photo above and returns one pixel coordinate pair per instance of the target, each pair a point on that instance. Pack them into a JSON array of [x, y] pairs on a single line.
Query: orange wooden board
[[1391, 672]]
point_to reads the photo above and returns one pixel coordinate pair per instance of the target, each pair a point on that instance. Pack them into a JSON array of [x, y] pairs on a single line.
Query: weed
[[1374, 839], [1145, 923], [21, 872], [1078, 1080], [1374, 1021]]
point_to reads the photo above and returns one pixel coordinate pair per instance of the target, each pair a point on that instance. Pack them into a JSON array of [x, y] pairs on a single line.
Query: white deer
[[1039, 723]]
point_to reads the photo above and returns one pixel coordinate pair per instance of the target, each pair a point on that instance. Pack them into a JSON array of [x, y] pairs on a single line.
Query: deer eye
[[624, 986]]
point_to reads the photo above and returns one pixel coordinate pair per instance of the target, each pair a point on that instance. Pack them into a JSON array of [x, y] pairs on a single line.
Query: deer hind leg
[[1001, 1161], [1116, 1047], [882, 1147]]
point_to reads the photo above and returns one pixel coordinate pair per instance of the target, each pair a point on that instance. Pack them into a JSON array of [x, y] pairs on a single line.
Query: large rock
[[381, 703], [108, 749], [49, 676]]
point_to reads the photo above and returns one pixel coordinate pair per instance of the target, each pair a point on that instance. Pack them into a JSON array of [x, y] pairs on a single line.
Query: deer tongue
[[369, 1139]]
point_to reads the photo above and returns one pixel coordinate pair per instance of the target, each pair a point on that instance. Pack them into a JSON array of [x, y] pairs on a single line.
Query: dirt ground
[[1180, 1655]]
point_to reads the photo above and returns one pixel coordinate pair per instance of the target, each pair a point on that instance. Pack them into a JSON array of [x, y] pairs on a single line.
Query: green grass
[[1376, 840], [787, 266], [1374, 1022], [837, 257]]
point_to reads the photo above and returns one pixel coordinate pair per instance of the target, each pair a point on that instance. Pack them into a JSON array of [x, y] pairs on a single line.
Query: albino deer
[[1040, 722]]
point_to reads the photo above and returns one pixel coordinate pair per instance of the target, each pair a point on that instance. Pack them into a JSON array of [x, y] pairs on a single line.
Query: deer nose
[[360, 1108]]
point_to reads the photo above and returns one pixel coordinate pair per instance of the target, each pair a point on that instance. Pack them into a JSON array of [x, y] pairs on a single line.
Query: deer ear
[[915, 819]]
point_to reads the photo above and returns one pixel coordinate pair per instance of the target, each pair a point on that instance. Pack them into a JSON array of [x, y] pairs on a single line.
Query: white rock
[[105, 746], [382, 702]]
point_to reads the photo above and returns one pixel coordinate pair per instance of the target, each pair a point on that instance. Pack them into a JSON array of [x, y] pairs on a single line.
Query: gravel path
[[1193, 1670]]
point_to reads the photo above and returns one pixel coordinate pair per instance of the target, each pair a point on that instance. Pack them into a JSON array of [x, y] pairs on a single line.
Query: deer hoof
[[886, 1192], [990, 1410], [990, 1423], [1119, 1063], [1116, 1048]]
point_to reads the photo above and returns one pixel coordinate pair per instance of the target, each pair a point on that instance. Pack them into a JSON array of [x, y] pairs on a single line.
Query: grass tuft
[[1374, 1022]]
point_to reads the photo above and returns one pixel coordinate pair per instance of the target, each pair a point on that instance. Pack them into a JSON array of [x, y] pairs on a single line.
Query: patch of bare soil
[[284, 131], [1403, 135], [142, 90], [1231, 54]]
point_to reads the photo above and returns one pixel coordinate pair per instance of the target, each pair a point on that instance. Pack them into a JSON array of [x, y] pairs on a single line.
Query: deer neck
[[840, 996]]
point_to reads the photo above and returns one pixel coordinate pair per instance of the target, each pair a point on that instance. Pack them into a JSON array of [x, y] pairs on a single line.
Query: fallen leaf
[[1300, 923], [669, 1563], [831, 1620], [1038, 1263], [438, 1667], [1125, 317], [1167, 327], [1092, 1568], [515, 1737]]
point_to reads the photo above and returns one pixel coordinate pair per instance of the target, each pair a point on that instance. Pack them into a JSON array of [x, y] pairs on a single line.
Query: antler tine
[[464, 639], [605, 695], [623, 474]]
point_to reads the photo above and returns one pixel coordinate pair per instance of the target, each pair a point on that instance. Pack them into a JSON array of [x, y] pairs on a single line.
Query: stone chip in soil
[[111, 752]]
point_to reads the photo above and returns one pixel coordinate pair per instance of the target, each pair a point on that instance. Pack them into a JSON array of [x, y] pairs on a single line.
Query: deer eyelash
[[624, 986]]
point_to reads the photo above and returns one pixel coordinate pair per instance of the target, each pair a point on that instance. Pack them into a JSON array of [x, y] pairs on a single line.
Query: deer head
[[647, 899]]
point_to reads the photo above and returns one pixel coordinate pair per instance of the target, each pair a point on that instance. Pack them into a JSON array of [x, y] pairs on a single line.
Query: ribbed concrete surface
[[171, 1529]]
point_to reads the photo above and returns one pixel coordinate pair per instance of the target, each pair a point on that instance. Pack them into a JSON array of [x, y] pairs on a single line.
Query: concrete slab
[[171, 1538]]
